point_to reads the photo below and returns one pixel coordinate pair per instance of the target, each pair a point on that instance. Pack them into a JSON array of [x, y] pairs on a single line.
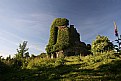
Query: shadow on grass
[[111, 71], [107, 72]]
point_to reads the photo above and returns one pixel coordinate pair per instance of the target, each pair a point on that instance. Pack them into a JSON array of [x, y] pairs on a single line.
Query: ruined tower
[[64, 40]]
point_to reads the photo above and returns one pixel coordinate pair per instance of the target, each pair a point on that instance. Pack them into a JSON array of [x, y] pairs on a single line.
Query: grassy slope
[[72, 70]]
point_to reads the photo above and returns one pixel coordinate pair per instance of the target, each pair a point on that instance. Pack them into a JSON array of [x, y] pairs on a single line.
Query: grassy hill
[[104, 67]]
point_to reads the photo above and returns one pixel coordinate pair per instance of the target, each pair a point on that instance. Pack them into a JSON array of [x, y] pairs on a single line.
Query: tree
[[0, 58], [101, 44], [8, 58], [22, 51], [27, 55]]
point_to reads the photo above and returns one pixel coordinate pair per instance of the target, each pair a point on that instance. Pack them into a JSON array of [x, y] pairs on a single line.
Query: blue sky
[[30, 20]]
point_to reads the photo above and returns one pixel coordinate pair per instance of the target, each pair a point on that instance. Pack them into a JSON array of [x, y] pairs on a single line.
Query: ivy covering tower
[[56, 35], [63, 39]]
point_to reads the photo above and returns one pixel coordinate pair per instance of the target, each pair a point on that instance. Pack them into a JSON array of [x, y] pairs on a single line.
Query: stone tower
[[64, 40]]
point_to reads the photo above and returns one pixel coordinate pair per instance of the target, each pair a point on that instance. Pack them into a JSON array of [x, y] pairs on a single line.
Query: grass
[[72, 70]]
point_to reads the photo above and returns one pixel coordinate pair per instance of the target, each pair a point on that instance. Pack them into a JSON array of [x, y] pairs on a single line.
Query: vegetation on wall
[[62, 40], [60, 22], [55, 35]]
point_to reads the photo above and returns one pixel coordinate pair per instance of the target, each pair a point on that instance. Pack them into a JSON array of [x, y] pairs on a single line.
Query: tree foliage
[[4, 68], [21, 58], [22, 51], [101, 44]]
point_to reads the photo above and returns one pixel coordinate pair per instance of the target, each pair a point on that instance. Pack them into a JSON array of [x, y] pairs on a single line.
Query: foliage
[[101, 44], [55, 35], [42, 55], [40, 62], [61, 22], [62, 40], [33, 56], [22, 51], [17, 63], [45, 69], [4, 68], [60, 61], [98, 59], [21, 58], [49, 49], [44, 62]]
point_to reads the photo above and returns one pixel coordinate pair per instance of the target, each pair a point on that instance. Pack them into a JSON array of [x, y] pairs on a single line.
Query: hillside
[[73, 68]]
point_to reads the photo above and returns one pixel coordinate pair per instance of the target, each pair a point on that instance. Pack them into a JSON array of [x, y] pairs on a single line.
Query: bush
[[4, 68], [99, 58], [40, 62], [60, 61]]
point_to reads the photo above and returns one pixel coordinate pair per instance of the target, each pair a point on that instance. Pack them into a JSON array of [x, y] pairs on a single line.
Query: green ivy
[[61, 22], [58, 39]]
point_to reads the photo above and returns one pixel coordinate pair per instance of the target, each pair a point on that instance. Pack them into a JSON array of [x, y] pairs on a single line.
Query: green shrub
[[60, 61], [40, 62], [99, 58], [4, 68]]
